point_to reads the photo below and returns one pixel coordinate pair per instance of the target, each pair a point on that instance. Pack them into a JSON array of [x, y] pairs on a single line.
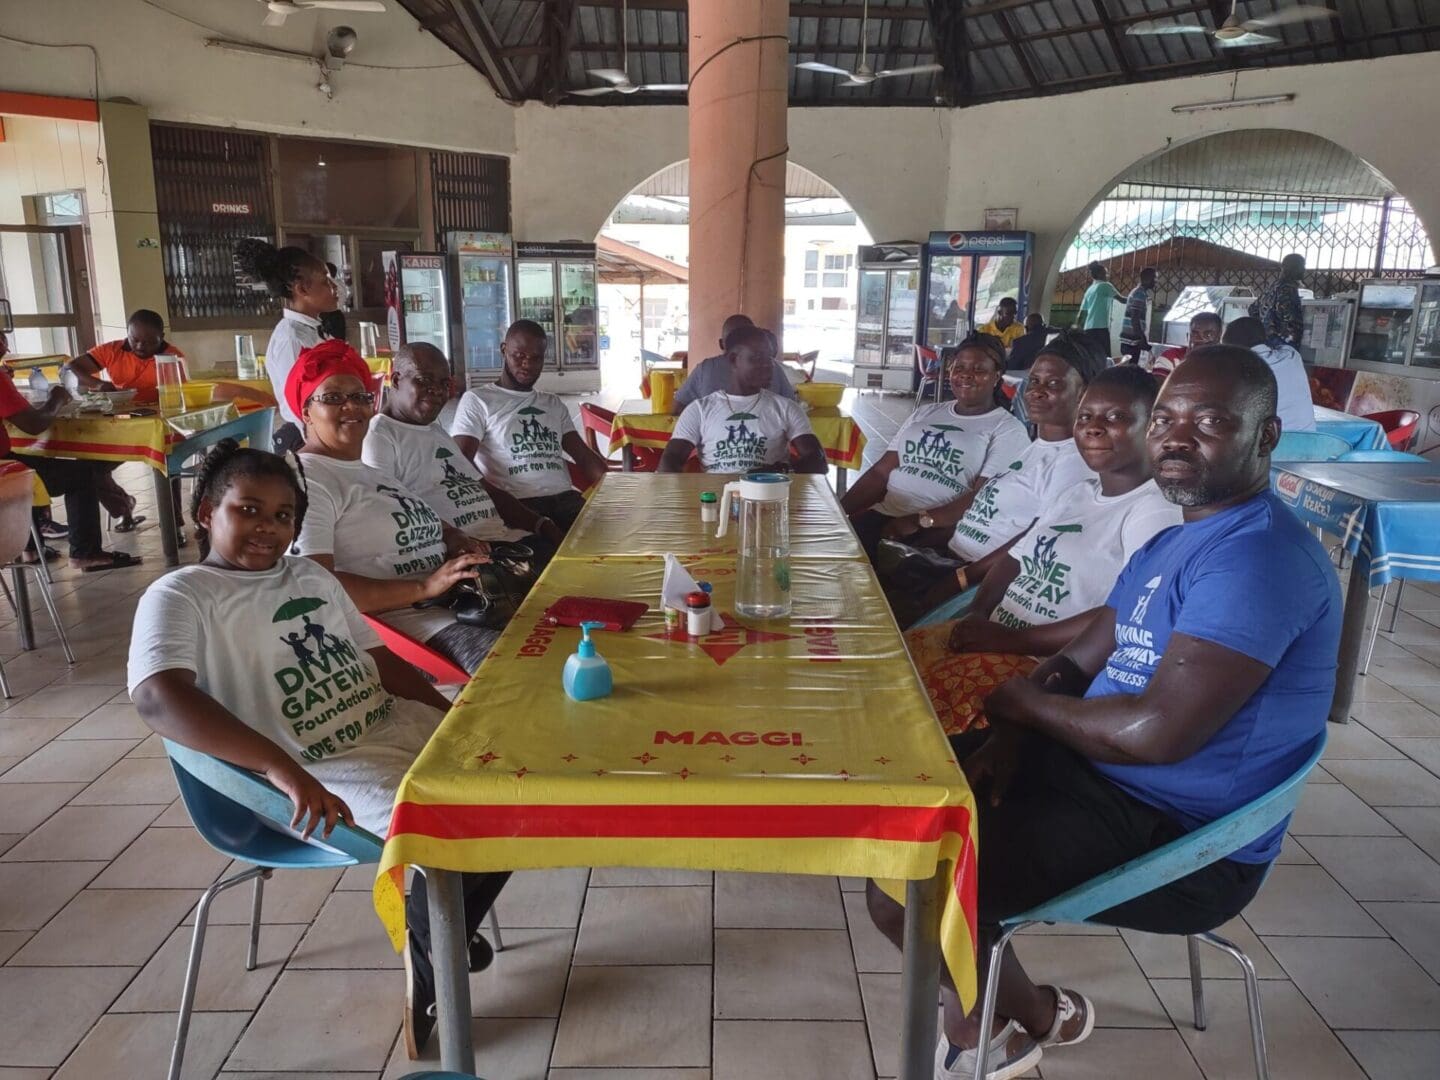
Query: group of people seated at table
[[1151, 641]]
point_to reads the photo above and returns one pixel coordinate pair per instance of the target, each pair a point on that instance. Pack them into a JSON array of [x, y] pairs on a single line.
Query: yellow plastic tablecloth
[[655, 513], [103, 438], [841, 437], [804, 745]]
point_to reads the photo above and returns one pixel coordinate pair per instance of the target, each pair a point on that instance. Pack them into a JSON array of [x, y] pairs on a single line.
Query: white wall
[[1054, 158], [160, 61]]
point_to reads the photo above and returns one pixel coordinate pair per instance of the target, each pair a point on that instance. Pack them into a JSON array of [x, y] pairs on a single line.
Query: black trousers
[[479, 890], [78, 482], [562, 509], [1062, 823]]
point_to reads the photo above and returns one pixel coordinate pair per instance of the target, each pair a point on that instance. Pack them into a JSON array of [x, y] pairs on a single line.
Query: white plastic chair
[[17, 528]]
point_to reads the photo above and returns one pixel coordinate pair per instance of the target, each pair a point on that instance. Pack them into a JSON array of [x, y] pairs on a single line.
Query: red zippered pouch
[[615, 614]]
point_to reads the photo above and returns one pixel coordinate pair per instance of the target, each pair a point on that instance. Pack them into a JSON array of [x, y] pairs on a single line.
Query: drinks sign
[[234, 209]]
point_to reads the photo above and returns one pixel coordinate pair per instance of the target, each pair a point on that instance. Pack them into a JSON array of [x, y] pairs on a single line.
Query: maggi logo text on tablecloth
[[735, 738]]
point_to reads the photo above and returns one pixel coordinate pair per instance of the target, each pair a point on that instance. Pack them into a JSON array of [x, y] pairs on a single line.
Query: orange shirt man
[[129, 364]]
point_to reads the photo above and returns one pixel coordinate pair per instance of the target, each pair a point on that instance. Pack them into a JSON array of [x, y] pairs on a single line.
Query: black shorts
[[1062, 823]]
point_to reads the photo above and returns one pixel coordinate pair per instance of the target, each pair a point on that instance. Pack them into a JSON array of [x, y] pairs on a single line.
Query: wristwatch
[[926, 521]]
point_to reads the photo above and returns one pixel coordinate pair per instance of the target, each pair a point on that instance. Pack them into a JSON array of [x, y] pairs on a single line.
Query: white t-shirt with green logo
[[735, 434], [941, 455], [520, 434], [1007, 505], [287, 652], [1069, 561], [372, 525], [425, 459]]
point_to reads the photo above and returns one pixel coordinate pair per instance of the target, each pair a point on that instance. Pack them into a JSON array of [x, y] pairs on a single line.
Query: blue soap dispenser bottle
[[587, 675]]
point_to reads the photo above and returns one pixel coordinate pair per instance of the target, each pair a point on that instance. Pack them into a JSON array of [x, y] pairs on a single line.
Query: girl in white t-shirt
[[387, 547], [942, 454], [263, 661], [1045, 589]]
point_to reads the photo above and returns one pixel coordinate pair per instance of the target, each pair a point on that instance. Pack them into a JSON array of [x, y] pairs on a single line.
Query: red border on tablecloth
[[60, 446], [465, 821]]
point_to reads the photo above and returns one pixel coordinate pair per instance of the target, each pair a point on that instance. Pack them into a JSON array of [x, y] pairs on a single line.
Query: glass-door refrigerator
[[417, 307], [481, 265], [965, 275], [886, 311], [555, 287]]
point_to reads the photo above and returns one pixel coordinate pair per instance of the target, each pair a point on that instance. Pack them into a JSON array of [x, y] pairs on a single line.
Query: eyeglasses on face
[[335, 400]]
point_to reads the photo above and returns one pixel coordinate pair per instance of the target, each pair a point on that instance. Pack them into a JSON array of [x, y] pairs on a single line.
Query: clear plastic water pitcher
[[762, 568], [246, 366], [169, 377]]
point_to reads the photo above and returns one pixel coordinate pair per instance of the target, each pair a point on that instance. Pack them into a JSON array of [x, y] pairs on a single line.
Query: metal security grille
[[212, 188], [471, 193], [1195, 236]]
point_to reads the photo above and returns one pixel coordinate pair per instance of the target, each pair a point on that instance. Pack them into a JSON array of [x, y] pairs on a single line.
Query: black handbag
[[492, 597], [912, 570]]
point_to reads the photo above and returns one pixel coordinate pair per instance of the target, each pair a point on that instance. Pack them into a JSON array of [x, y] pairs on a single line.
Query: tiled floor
[[643, 975]]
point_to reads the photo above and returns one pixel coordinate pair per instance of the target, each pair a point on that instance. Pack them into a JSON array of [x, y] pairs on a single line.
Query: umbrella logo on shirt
[[741, 447], [1142, 605], [311, 640], [452, 475], [533, 439]]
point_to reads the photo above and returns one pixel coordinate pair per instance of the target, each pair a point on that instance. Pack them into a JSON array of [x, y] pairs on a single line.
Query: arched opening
[[1226, 208], [822, 234]]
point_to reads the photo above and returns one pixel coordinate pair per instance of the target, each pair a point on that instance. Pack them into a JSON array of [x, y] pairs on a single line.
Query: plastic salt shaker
[[709, 507], [697, 613]]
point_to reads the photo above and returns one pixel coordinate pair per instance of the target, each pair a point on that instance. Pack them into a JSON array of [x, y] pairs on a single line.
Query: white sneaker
[[1012, 1053]]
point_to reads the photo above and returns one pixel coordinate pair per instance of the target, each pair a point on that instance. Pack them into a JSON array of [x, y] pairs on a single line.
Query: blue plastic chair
[[1193, 851], [242, 815], [1377, 455], [1309, 446], [953, 608]]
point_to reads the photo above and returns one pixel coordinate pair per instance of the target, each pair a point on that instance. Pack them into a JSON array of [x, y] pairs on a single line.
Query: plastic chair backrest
[[597, 422], [1390, 419], [17, 495], [953, 608], [242, 815], [927, 362], [1193, 851], [1379, 455], [1309, 446], [417, 655]]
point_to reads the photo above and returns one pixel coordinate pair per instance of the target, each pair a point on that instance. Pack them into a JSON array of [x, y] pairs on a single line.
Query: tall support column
[[737, 165]]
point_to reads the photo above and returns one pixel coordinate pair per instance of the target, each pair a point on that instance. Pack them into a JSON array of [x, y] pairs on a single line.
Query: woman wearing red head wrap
[[387, 547]]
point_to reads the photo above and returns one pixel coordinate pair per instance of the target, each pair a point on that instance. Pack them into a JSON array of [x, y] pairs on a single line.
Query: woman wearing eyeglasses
[[386, 546]]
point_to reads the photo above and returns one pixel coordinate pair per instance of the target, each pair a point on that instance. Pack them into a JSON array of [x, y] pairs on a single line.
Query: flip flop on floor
[[111, 560], [128, 524]]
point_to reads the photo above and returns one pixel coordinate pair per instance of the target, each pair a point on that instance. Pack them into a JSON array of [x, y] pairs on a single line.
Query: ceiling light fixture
[[1232, 103]]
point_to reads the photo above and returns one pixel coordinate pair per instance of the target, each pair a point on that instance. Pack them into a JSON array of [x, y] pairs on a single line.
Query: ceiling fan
[[619, 78], [1235, 32], [864, 75], [280, 10]]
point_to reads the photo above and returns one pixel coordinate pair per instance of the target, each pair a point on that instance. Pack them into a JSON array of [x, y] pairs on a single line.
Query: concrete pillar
[[125, 235], [737, 207]]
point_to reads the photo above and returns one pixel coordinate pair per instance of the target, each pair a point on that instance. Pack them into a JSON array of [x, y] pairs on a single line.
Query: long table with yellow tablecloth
[[803, 745], [841, 437]]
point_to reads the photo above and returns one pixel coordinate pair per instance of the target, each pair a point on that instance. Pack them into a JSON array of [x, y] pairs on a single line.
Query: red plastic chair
[[1399, 424], [600, 422], [927, 363], [415, 653]]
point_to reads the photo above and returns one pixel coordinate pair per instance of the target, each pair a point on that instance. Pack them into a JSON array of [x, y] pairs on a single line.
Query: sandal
[[1074, 1018], [110, 560], [128, 523]]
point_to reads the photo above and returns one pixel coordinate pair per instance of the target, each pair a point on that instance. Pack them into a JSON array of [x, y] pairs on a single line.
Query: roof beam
[[894, 31], [557, 32], [856, 11], [1116, 45], [1007, 30], [481, 35]]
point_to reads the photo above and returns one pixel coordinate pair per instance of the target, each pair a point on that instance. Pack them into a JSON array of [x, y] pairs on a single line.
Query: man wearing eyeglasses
[[407, 442]]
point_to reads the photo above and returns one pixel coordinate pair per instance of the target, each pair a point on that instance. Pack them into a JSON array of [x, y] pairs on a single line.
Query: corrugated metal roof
[[990, 49]]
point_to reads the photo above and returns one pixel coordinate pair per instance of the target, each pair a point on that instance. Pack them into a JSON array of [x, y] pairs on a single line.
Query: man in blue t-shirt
[[1202, 684]]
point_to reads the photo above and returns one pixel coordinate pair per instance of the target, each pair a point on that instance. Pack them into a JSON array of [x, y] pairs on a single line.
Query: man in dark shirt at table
[[1027, 346], [714, 373], [1279, 307], [1203, 683], [1136, 335]]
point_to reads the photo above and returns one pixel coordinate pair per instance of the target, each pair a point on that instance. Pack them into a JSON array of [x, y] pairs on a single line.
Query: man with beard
[[1202, 684], [520, 437]]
